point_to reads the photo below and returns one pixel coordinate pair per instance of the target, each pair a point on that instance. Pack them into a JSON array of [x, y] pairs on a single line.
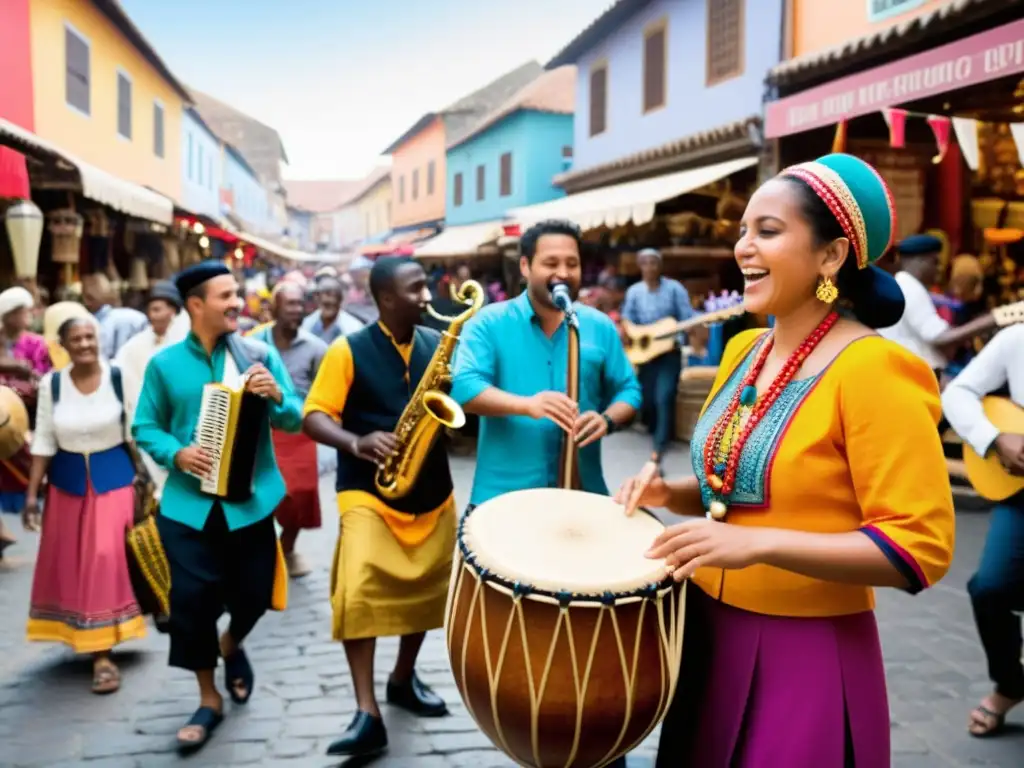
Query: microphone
[[561, 298]]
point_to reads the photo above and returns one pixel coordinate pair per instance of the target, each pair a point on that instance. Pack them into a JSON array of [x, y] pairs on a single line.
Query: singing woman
[[819, 474]]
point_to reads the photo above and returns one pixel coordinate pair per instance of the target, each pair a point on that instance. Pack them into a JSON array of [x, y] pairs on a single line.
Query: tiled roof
[[462, 116], [553, 92], [949, 17], [613, 18], [321, 196], [116, 15], [260, 144], [688, 149]]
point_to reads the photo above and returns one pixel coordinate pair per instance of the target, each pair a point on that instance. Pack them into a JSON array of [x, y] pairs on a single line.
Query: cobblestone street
[[304, 697]]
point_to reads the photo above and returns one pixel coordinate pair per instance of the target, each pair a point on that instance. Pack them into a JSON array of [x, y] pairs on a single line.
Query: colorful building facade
[[244, 195], [418, 171], [102, 93], [201, 166]]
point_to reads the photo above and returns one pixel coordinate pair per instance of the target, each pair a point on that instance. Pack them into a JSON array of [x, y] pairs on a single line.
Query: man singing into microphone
[[511, 370]]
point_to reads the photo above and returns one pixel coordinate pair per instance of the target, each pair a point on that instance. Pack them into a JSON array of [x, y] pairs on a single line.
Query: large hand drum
[[564, 639]]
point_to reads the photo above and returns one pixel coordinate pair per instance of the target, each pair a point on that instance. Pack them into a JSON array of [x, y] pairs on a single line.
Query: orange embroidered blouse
[[855, 447]]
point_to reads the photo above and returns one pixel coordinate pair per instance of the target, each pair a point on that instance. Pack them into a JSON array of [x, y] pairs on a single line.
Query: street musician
[[655, 298], [394, 556], [222, 554]]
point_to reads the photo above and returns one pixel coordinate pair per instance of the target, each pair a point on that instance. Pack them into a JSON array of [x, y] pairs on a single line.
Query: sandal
[[238, 674], [989, 723], [106, 678], [205, 718]]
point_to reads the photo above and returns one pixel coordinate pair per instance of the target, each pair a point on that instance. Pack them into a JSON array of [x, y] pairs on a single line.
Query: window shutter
[[598, 100], [480, 182], [124, 106], [457, 190], [506, 174], [415, 183], [654, 68], [430, 177], [401, 189], [158, 131], [76, 73], [724, 40]]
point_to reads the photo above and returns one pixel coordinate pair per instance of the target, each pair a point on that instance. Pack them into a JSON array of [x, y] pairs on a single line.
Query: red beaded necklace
[[722, 475]]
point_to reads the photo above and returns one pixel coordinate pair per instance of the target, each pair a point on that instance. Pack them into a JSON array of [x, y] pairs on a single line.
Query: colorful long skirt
[[297, 459], [81, 592], [760, 691]]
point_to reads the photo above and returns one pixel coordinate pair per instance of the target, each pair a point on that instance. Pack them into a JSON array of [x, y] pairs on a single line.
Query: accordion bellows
[[229, 429]]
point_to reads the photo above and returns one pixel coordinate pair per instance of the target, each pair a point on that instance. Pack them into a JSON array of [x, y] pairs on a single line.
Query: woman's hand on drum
[[700, 542], [557, 406], [645, 490]]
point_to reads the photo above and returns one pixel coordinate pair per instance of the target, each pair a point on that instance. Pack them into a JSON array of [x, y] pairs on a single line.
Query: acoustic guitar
[[645, 342], [987, 474]]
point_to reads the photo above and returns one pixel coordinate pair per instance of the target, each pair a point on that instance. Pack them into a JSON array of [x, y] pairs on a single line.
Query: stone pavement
[[304, 697]]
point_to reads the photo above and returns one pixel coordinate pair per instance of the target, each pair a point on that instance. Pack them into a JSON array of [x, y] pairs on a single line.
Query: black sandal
[[206, 718], [238, 674], [997, 719]]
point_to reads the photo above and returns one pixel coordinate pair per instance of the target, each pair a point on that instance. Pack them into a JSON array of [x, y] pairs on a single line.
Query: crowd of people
[[818, 468]]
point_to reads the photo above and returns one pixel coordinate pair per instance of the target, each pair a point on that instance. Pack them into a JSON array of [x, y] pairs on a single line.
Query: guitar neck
[[1009, 315], [705, 319]]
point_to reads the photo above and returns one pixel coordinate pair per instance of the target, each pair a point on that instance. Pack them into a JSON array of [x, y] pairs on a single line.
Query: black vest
[[376, 399]]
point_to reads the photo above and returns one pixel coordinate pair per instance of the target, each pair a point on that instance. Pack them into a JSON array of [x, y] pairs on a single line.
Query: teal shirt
[[165, 422]]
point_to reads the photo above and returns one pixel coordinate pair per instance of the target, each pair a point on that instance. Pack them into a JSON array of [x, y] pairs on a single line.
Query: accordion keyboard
[[212, 432]]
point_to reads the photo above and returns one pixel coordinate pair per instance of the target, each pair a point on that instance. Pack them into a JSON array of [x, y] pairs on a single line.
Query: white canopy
[[461, 241]]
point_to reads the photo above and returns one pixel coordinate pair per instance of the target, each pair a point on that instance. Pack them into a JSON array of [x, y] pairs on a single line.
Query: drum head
[[558, 540]]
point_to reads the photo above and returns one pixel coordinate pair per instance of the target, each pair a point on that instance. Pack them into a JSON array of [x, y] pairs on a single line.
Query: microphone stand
[[568, 460]]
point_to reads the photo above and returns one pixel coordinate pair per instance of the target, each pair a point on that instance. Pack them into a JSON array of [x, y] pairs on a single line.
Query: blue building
[[245, 198], [668, 101], [508, 160], [201, 171]]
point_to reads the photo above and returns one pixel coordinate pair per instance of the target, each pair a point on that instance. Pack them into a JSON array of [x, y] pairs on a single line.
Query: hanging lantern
[[24, 223]]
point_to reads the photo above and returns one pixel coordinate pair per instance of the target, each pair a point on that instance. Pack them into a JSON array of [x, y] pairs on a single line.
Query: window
[[457, 190], [655, 65], [190, 171], [430, 177], [725, 40], [158, 129], [505, 188], [598, 99], [480, 182], [209, 173], [76, 70], [124, 105], [199, 166], [415, 183], [401, 189], [567, 152]]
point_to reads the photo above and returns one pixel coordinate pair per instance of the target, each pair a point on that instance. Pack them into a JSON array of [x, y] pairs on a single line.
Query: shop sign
[[884, 9], [973, 60]]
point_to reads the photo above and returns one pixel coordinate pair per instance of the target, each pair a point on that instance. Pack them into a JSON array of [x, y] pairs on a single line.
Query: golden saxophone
[[430, 408]]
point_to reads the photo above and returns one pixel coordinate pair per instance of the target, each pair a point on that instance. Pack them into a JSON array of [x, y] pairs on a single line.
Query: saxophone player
[[393, 558]]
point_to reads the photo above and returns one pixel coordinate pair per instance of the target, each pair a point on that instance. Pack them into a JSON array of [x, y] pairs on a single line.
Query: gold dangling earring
[[827, 293]]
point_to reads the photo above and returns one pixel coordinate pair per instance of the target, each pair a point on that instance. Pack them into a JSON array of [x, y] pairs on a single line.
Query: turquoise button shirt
[[505, 347], [165, 422]]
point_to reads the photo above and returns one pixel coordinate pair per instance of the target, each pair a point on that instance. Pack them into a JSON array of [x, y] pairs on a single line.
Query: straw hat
[[13, 423], [53, 318]]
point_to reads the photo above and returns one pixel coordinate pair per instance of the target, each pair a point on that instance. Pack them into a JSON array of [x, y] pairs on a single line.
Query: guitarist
[[652, 299], [997, 588]]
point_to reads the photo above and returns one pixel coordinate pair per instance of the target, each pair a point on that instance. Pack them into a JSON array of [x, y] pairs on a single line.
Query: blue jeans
[[997, 590], [659, 382]]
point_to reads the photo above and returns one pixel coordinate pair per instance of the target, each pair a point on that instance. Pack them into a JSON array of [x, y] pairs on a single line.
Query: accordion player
[[229, 430]]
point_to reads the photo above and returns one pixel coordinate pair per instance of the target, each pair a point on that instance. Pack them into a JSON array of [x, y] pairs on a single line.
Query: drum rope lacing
[[669, 659]]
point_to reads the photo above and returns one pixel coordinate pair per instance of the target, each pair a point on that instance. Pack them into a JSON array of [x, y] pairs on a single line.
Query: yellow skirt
[[380, 588]]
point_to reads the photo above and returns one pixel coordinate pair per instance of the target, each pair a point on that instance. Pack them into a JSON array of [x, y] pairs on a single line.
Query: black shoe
[[366, 736], [416, 697]]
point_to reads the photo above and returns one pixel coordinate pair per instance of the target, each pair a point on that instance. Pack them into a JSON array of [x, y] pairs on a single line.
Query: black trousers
[[212, 571]]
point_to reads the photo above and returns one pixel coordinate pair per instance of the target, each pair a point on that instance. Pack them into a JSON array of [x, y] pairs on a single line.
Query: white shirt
[[999, 363], [921, 323], [80, 423]]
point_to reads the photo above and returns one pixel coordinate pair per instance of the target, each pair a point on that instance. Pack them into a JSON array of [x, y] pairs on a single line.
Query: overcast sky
[[341, 79]]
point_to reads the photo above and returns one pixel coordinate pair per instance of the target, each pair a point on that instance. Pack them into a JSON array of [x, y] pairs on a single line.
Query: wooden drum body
[[564, 639]]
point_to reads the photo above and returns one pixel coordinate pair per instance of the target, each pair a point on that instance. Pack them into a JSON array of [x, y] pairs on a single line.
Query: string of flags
[[943, 129]]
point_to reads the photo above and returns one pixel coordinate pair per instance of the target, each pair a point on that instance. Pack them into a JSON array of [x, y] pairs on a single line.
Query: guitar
[[1009, 314], [986, 473], [645, 342]]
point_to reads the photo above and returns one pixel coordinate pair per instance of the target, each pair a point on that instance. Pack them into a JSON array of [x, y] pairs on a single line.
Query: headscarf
[[15, 298], [862, 204]]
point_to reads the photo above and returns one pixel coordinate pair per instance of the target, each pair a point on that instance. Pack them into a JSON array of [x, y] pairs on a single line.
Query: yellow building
[[373, 204], [103, 94]]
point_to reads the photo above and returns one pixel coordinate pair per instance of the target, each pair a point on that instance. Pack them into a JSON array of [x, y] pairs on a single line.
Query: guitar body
[[645, 342], [987, 474]]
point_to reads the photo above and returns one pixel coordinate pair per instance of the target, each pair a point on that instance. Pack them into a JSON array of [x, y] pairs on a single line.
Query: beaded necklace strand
[[745, 411]]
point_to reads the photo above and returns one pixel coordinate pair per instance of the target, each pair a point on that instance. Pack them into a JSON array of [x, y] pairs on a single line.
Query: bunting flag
[[839, 142], [897, 120], [1017, 129], [941, 129], [966, 130]]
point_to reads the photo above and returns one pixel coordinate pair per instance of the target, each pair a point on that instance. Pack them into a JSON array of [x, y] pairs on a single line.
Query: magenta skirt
[[81, 592], [761, 691]]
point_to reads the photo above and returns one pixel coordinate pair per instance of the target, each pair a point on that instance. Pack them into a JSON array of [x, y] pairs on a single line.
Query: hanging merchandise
[[1017, 129], [941, 129], [966, 130], [839, 142], [897, 120]]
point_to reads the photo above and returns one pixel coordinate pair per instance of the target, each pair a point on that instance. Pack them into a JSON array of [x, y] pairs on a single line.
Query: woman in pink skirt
[[82, 594]]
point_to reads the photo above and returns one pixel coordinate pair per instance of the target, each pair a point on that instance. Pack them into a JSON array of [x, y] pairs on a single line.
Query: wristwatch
[[612, 426]]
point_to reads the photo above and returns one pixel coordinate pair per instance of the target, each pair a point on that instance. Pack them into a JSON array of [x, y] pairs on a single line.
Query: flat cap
[[919, 245]]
